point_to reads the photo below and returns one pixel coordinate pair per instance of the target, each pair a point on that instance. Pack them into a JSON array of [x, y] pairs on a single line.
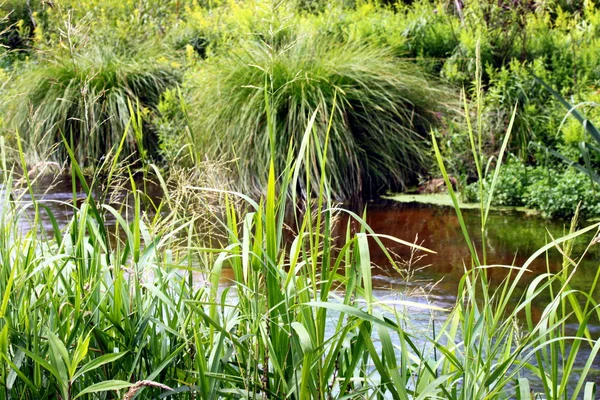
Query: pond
[[511, 238]]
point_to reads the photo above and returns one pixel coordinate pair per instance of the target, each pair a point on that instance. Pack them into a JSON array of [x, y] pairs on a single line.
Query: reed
[[493, 343]]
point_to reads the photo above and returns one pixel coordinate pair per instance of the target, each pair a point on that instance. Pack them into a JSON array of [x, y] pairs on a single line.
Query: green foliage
[[557, 192], [511, 185], [380, 107], [514, 84], [430, 33], [127, 22], [557, 40], [18, 22], [103, 309], [171, 123], [226, 25], [487, 323], [88, 96]]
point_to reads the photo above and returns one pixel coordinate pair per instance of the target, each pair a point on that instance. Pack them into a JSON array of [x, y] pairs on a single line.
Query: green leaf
[[498, 166], [104, 387], [80, 353], [587, 125], [365, 265], [303, 337], [523, 390], [351, 311], [59, 356], [590, 391], [45, 364], [98, 362], [17, 372]]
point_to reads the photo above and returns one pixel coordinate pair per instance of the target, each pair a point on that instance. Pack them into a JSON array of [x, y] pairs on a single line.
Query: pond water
[[511, 239]]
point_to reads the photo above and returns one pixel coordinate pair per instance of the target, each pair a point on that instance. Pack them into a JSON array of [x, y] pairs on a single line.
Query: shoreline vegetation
[[250, 114], [88, 316], [385, 74]]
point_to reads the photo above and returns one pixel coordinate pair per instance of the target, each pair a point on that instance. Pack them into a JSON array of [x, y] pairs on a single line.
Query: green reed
[[493, 342], [95, 309]]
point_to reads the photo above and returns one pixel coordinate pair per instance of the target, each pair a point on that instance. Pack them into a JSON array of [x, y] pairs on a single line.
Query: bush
[[556, 192], [18, 22], [380, 123], [88, 97], [216, 30], [172, 126], [511, 186]]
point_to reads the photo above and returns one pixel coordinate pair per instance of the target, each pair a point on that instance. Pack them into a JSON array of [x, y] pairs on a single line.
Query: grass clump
[[88, 96], [379, 106]]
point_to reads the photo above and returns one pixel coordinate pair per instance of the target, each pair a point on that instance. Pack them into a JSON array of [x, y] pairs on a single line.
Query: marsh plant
[[87, 96], [101, 311], [379, 108], [136, 301]]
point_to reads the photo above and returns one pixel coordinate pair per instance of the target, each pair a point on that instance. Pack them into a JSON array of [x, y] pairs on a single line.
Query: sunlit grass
[[380, 109], [87, 96]]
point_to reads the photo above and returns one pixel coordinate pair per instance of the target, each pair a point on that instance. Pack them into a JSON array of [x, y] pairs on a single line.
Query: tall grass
[[86, 96], [493, 342], [94, 310], [381, 109]]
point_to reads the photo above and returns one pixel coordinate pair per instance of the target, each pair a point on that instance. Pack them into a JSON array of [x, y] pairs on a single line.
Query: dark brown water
[[511, 238]]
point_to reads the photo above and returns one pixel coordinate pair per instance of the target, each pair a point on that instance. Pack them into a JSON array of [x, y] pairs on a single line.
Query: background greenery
[[193, 68]]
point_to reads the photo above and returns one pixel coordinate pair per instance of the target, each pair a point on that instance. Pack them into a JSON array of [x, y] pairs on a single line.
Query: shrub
[[172, 126], [430, 33], [367, 22], [514, 84], [88, 96], [511, 185], [18, 21], [380, 119], [557, 194], [218, 29]]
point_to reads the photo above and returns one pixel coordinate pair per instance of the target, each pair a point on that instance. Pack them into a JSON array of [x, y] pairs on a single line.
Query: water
[[512, 237]]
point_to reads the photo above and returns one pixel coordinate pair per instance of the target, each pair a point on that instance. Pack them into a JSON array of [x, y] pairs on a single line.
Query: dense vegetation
[[100, 311], [195, 71], [254, 116]]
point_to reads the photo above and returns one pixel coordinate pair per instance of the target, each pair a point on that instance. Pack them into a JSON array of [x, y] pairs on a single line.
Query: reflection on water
[[511, 239], [56, 193]]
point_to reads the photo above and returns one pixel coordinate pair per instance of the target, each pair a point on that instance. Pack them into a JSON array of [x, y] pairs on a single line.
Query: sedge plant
[[378, 124]]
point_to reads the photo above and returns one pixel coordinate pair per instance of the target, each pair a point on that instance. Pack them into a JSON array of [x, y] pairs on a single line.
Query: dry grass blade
[[142, 384]]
